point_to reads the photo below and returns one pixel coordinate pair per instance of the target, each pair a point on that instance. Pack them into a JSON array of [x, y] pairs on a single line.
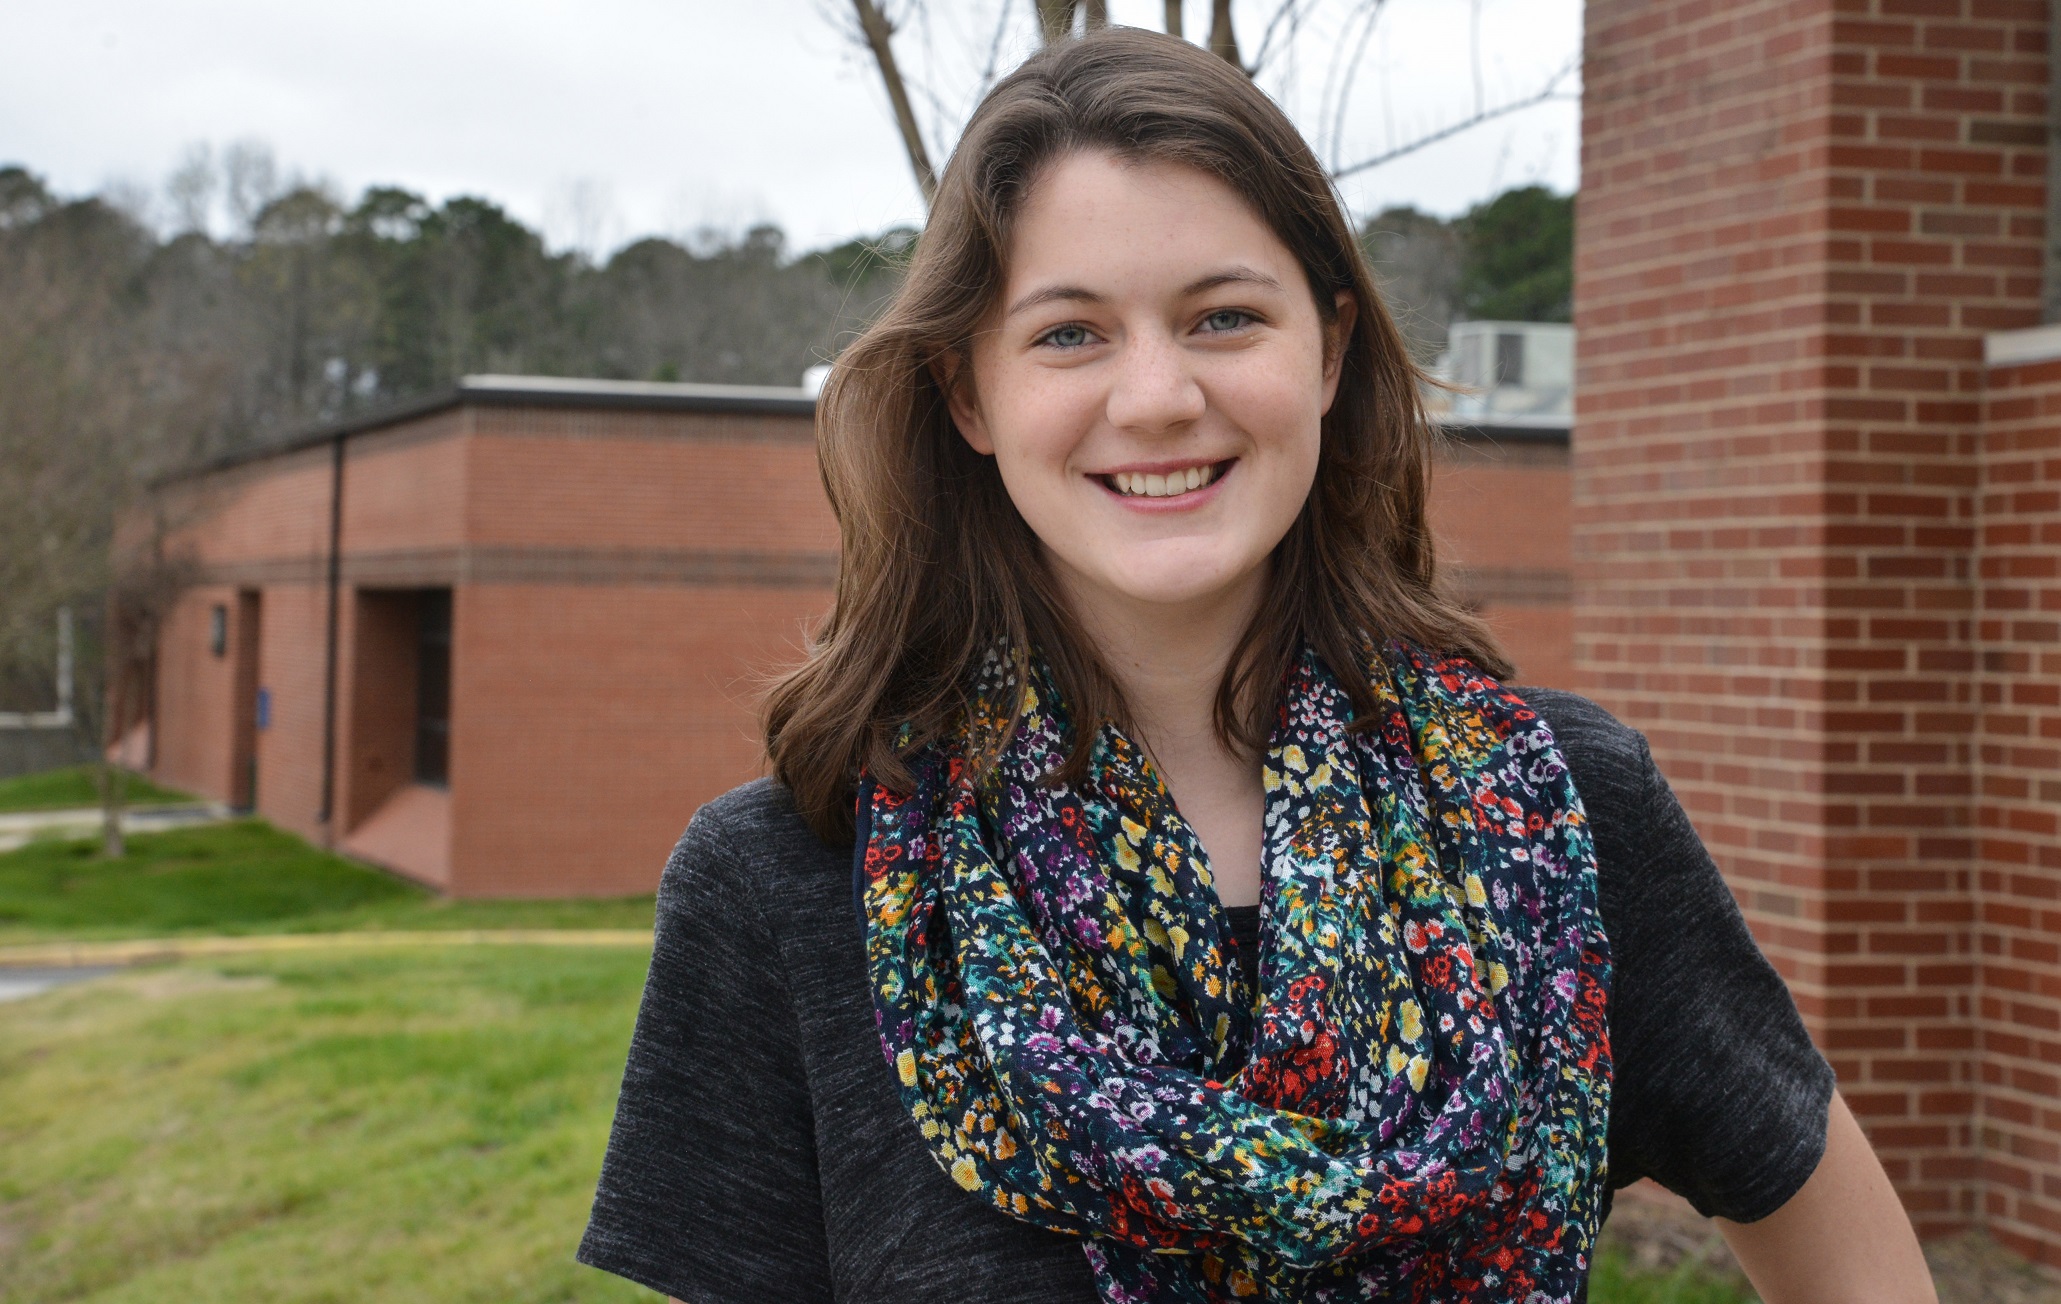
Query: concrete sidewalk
[[18, 828], [20, 984], [67, 955]]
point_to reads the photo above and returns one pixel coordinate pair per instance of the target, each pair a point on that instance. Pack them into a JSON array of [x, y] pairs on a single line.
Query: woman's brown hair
[[937, 567]]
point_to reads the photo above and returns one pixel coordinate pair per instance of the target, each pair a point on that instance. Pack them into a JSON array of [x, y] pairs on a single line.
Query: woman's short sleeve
[[709, 1190], [1717, 1092]]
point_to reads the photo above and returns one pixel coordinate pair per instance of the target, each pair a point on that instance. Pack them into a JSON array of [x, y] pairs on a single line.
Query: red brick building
[[505, 641], [1817, 532]]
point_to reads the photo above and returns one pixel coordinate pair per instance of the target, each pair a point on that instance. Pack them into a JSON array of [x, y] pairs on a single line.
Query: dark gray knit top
[[761, 1152]]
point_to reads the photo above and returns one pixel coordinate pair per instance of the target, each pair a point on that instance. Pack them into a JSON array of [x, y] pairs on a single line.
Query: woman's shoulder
[[761, 810], [1582, 728], [1612, 767], [751, 848]]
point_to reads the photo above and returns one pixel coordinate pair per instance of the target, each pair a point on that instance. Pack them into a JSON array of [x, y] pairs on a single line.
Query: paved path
[[20, 984], [18, 828], [43, 956]]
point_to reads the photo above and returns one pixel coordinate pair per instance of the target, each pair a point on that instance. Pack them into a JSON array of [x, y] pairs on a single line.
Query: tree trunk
[[880, 39], [1055, 19], [1097, 14], [1222, 43], [1173, 17]]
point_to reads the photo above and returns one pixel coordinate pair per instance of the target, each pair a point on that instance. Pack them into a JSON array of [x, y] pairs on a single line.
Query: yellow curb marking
[[69, 955]]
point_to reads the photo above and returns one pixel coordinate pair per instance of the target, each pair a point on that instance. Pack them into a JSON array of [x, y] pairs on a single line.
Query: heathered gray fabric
[[760, 1152]]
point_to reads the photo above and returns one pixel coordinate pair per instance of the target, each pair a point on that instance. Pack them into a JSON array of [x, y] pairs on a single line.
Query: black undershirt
[[1244, 922]]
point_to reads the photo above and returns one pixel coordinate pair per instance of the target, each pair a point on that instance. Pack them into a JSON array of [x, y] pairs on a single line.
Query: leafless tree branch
[[1055, 19], [879, 34], [1223, 43], [1287, 18], [1368, 16], [1550, 91]]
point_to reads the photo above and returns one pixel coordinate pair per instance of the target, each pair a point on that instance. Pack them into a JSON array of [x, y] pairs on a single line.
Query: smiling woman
[[1160, 897]]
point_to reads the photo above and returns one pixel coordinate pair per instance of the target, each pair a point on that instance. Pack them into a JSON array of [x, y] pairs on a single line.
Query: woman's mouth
[[1170, 484]]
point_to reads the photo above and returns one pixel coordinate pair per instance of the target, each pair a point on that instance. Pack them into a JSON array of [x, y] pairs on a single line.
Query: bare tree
[[1059, 19], [1550, 91], [879, 36], [116, 686], [1223, 43], [191, 188], [250, 180]]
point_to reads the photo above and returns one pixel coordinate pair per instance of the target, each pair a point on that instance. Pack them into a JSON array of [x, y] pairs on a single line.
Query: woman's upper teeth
[[1147, 485]]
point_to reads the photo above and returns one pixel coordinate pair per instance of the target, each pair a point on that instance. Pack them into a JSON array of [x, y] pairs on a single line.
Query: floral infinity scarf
[[1414, 1106]]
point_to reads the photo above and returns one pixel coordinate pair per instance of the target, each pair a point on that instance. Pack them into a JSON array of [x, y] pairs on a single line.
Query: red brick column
[[2019, 805], [1798, 218]]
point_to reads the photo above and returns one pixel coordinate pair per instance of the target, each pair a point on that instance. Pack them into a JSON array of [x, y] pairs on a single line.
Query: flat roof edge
[[554, 391], [523, 391], [2020, 347], [671, 396], [315, 436], [1506, 432]]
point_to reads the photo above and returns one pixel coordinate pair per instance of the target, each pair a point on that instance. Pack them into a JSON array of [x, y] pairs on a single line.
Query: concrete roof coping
[[653, 395], [527, 391], [2015, 348], [1513, 429], [637, 393]]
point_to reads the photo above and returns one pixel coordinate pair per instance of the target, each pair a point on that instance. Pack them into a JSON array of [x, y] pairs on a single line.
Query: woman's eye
[[1067, 337], [1226, 319]]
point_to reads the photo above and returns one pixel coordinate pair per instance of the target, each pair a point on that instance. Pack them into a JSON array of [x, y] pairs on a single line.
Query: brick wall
[[2018, 812], [624, 581], [196, 718], [1511, 563], [591, 720], [1798, 219]]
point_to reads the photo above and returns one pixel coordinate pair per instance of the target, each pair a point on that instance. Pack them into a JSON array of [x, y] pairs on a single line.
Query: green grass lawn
[[245, 877], [77, 785], [340, 1127], [1615, 1281], [371, 1125], [364, 1126]]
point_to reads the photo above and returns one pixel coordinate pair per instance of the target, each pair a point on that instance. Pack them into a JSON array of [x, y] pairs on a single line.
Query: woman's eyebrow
[[1054, 294], [1239, 275], [1230, 276]]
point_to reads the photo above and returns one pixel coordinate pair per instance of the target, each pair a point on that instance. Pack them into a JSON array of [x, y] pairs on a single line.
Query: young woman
[[1159, 897]]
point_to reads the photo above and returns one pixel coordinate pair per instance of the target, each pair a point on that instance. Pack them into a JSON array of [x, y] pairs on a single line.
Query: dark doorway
[[242, 635], [433, 688]]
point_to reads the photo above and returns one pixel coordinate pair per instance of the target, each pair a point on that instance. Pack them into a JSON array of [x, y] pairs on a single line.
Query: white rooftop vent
[[1508, 372]]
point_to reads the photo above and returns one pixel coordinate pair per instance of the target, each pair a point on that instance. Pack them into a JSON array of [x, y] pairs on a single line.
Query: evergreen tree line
[[127, 352]]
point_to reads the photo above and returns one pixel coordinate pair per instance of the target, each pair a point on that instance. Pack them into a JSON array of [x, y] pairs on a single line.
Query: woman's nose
[[1152, 388]]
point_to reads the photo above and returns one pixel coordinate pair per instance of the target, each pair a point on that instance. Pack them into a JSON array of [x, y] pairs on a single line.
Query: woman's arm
[[1843, 1237]]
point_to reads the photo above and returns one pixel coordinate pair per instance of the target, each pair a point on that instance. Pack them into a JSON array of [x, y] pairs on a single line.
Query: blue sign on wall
[[264, 708]]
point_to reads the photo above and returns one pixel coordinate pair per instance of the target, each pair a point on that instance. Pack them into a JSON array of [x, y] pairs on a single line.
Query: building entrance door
[[243, 749]]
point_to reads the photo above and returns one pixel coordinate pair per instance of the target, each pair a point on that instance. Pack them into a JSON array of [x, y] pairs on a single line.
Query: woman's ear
[[955, 378], [1338, 332]]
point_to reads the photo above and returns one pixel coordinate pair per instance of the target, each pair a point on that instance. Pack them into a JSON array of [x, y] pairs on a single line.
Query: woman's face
[[1152, 384]]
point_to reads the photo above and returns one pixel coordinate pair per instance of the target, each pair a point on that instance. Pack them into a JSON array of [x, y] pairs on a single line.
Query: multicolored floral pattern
[[1412, 1106]]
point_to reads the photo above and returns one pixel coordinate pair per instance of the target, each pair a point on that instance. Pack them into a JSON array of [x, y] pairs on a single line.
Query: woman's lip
[[1164, 468]]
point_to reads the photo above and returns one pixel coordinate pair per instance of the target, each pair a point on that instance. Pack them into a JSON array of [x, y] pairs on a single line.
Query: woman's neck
[[1169, 660]]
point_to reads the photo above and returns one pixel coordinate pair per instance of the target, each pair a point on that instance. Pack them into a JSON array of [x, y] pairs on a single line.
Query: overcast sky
[[608, 119]]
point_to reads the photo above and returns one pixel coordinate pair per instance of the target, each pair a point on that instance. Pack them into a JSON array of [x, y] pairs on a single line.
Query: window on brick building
[[433, 688], [218, 629]]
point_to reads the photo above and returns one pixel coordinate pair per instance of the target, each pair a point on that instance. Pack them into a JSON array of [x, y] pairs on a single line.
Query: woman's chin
[[1163, 589]]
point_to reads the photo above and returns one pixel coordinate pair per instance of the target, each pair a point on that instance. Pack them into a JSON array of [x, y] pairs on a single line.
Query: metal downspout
[[336, 465]]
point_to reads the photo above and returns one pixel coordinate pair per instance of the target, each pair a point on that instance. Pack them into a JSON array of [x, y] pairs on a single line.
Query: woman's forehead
[[1096, 217]]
